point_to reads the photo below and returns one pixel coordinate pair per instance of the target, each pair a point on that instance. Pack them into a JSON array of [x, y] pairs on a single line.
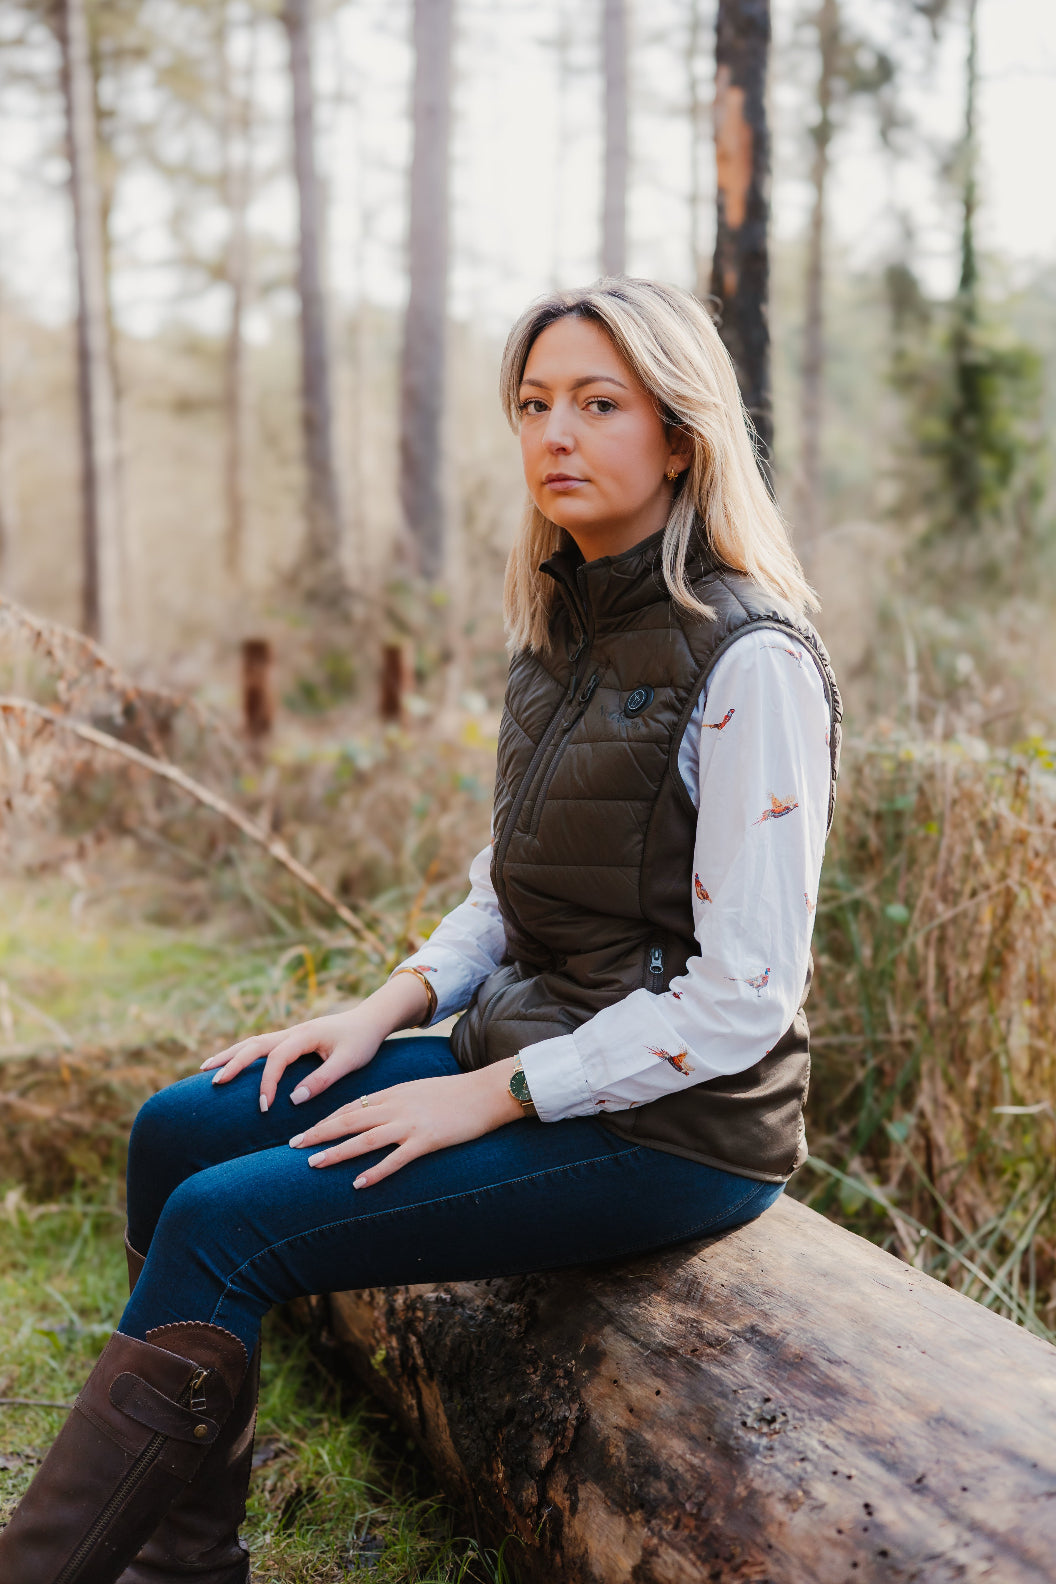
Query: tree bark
[[699, 262], [614, 201], [100, 503], [322, 576], [424, 355], [237, 157], [967, 418], [740, 276], [8, 493], [827, 22], [782, 1404]]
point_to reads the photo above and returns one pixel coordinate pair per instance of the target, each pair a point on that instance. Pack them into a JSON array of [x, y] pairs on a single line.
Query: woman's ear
[[681, 443]]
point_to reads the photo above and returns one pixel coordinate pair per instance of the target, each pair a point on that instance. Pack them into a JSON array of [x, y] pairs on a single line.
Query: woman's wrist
[[495, 1077], [400, 1003]]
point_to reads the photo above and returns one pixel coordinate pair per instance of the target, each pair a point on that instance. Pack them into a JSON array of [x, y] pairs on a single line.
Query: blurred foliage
[[934, 1015], [972, 457]]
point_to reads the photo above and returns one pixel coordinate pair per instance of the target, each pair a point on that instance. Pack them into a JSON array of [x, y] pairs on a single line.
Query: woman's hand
[[346, 1041], [418, 1117]]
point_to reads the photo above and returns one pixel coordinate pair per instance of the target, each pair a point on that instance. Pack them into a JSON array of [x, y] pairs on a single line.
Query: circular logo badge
[[638, 701]]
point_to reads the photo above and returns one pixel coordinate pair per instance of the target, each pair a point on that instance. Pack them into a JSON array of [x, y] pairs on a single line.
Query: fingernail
[[300, 1094], [263, 1102], [317, 1160], [360, 1182], [296, 1139], [218, 1076]]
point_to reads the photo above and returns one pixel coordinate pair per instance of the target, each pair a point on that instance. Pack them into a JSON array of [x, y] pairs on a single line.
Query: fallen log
[[786, 1404]]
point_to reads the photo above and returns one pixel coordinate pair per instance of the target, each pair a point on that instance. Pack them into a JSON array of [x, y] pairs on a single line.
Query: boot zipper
[[566, 730], [656, 970], [128, 1486]]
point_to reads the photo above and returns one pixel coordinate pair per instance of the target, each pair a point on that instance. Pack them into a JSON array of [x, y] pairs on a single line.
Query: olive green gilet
[[593, 842]]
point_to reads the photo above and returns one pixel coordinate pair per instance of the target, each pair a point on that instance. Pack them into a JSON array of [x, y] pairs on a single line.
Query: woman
[[632, 1064]]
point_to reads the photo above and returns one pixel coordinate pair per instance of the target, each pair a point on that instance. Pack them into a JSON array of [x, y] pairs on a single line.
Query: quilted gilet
[[593, 842]]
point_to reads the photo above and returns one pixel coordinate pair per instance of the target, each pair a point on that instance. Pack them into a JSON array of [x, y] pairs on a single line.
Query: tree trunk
[[423, 361], [8, 494], [614, 202], [100, 519], [237, 157], [699, 261], [741, 270], [967, 418], [322, 576], [827, 22], [782, 1404]]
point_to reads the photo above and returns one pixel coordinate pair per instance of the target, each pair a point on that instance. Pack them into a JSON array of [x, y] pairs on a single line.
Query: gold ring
[[363, 1100]]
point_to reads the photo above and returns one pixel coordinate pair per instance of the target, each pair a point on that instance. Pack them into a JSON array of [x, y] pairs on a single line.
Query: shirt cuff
[[556, 1080]]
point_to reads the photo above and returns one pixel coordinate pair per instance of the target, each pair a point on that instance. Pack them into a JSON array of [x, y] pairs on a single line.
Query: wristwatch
[[520, 1091]]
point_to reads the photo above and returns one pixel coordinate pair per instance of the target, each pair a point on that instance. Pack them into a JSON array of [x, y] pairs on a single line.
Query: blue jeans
[[233, 1221]]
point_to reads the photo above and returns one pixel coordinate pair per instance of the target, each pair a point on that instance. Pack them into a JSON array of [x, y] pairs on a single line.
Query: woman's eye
[[602, 404], [533, 404]]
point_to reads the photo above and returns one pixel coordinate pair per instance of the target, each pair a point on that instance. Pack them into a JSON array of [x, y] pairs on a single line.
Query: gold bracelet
[[419, 974]]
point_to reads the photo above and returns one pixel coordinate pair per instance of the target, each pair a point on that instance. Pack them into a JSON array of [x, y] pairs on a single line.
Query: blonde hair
[[669, 342]]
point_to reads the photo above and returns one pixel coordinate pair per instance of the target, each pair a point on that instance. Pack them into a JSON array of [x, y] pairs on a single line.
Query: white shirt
[[755, 759]]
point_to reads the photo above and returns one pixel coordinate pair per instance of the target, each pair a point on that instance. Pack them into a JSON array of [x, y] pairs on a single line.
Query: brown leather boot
[[135, 1262], [198, 1537], [136, 1436]]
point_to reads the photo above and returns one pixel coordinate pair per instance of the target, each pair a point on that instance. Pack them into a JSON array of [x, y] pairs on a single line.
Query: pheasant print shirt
[[755, 759]]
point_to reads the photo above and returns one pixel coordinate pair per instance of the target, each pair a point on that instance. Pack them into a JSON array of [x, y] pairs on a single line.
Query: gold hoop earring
[[671, 475]]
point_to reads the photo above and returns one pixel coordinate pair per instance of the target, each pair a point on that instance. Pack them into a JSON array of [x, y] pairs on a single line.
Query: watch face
[[519, 1087]]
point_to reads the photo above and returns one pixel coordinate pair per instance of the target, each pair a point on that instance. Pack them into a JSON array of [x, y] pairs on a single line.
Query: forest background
[[256, 494]]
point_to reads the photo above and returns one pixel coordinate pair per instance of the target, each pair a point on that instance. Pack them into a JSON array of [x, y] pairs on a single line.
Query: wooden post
[[258, 690], [393, 681], [783, 1405]]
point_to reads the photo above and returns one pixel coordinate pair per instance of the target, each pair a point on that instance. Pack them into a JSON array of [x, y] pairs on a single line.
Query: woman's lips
[[562, 482]]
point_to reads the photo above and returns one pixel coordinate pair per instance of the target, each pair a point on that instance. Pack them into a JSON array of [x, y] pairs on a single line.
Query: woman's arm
[[467, 945], [761, 768]]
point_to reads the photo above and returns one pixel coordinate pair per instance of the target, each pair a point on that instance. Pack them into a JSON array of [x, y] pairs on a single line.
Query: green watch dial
[[519, 1087]]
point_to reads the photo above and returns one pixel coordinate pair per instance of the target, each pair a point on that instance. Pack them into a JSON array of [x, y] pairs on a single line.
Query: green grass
[[338, 1492]]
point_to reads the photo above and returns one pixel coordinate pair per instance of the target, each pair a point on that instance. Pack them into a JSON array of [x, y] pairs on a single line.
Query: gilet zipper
[[129, 1485], [655, 975], [570, 721], [532, 772]]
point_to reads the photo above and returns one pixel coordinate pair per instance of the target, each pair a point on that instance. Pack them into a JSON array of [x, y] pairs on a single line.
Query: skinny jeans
[[232, 1220]]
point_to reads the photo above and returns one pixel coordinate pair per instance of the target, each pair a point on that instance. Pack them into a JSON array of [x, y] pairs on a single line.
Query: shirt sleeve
[[762, 769], [466, 946]]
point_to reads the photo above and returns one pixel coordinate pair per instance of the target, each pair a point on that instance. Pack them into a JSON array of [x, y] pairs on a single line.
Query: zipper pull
[[656, 960], [573, 676], [197, 1401], [581, 703]]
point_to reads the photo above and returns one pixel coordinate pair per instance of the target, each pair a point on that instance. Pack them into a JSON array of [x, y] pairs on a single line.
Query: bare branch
[[272, 845]]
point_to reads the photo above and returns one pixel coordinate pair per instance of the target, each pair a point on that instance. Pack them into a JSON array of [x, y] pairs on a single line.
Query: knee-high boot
[[137, 1435], [198, 1537]]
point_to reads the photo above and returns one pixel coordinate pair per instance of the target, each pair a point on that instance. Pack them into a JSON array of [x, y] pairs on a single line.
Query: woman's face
[[594, 448]]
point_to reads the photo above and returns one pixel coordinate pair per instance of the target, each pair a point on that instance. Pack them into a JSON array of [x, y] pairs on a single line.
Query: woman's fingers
[[359, 1144], [228, 1064], [298, 1042], [392, 1162], [352, 1118]]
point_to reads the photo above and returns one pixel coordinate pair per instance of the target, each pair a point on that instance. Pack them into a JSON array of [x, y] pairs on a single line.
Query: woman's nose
[[557, 436]]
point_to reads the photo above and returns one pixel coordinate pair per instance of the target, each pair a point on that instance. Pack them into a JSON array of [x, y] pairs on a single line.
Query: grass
[[337, 1492]]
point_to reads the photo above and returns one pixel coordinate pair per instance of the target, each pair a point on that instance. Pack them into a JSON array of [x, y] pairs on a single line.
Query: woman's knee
[[162, 1124]]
